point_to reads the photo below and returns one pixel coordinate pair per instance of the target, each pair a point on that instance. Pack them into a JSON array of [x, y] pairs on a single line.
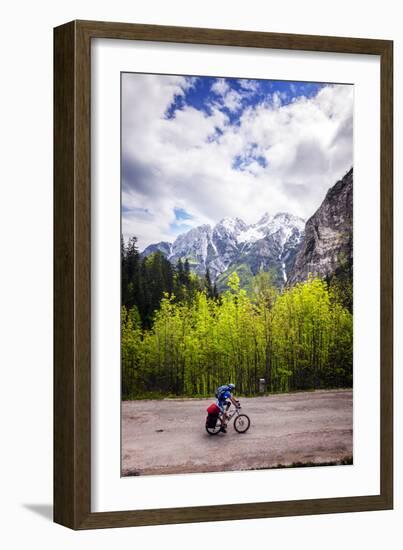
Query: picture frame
[[72, 274]]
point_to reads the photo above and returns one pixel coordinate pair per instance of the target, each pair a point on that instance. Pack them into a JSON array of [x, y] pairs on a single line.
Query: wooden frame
[[72, 320]]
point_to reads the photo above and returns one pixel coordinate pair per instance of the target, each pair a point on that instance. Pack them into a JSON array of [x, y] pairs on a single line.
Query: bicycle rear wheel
[[242, 423], [217, 428]]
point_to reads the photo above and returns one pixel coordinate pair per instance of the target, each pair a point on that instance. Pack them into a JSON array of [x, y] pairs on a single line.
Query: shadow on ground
[[43, 510]]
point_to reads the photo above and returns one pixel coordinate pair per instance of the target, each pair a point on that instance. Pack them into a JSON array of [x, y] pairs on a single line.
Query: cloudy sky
[[198, 149]]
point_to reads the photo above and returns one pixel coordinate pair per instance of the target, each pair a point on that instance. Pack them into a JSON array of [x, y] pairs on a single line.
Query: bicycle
[[241, 422]]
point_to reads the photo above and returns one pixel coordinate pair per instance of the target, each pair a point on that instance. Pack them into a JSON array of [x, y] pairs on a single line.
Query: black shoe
[[223, 430]]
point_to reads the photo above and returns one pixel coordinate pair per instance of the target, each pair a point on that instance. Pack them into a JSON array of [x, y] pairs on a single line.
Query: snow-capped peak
[[285, 220], [218, 247], [268, 225], [264, 219], [232, 225]]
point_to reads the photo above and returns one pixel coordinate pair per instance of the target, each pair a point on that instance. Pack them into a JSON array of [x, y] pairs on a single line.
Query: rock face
[[277, 248], [328, 236], [271, 243]]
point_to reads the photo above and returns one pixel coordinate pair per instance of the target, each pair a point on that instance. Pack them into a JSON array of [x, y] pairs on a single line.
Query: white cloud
[[228, 97], [249, 85], [220, 87], [232, 101], [291, 154]]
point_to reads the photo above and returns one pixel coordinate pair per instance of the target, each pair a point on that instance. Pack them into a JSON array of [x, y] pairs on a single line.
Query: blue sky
[[197, 149], [200, 95]]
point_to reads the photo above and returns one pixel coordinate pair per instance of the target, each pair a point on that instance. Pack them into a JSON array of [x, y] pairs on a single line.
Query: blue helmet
[[231, 387]]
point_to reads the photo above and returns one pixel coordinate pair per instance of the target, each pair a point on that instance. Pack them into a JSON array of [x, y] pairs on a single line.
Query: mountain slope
[[163, 246], [271, 243], [328, 236]]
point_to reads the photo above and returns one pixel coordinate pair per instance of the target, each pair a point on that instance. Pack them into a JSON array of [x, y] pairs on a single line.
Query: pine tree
[[186, 272], [208, 285]]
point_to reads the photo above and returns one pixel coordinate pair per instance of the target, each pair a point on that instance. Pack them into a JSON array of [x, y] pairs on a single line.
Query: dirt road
[[168, 436]]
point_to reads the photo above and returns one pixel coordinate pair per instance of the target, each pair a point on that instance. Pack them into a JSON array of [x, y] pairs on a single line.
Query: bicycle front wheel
[[242, 423]]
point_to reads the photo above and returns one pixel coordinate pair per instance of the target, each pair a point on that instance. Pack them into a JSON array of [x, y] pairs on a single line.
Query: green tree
[[185, 341]]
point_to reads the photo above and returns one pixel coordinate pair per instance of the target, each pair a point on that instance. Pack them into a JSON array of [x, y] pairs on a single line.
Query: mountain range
[[282, 243], [231, 245]]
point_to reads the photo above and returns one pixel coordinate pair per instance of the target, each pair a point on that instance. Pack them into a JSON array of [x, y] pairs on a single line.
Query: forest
[[180, 337]]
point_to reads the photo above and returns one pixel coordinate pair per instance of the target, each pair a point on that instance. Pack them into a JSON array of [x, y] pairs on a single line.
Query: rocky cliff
[[327, 245]]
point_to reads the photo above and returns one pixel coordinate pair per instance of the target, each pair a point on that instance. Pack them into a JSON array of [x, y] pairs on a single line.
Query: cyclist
[[224, 397]]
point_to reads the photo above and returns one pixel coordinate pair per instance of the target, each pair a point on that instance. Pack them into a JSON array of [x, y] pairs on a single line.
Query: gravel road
[[168, 436]]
